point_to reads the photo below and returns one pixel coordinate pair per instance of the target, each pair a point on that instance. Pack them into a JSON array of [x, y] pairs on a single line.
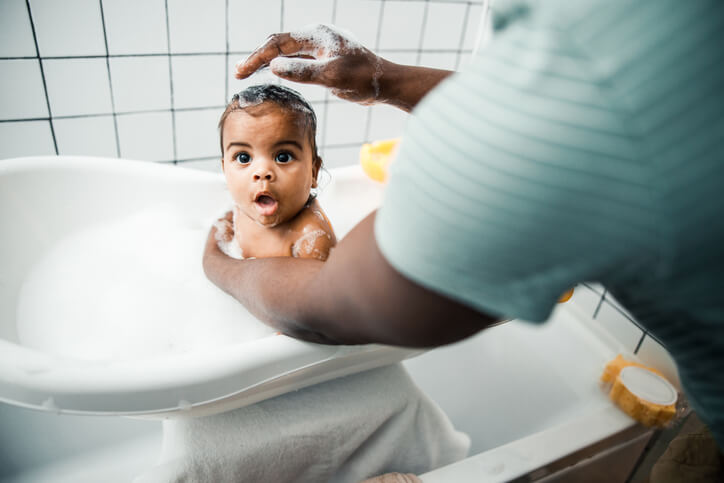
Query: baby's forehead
[[285, 115]]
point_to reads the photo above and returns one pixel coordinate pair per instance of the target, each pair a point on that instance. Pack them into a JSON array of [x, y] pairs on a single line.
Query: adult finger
[[276, 45], [298, 69]]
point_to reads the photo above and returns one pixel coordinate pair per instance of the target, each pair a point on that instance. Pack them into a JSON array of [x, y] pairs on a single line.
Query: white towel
[[341, 431]]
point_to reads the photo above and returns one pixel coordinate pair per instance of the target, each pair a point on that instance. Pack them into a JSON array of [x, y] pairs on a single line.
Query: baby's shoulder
[[315, 236]]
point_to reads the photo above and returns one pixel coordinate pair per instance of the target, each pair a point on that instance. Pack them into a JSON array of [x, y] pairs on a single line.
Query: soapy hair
[[285, 98]]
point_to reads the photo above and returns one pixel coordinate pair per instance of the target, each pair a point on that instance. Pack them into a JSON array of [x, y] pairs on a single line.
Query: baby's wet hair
[[284, 97]]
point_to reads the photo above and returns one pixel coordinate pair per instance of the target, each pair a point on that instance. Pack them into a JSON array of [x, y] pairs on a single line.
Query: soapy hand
[[322, 55]]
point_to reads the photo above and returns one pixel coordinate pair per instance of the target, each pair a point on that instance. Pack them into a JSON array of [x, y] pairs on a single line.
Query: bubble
[[129, 288]]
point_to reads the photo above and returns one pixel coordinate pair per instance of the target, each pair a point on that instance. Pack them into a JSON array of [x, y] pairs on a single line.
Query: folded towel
[[342, 431]]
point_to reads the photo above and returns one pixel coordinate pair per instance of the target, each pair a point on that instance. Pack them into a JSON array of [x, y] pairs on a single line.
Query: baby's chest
[[265, 246]]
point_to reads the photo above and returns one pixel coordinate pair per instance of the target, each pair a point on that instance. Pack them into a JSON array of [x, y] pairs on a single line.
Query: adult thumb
[[298, 69]]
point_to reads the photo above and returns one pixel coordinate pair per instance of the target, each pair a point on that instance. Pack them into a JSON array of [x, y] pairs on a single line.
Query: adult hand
[[320, 55]]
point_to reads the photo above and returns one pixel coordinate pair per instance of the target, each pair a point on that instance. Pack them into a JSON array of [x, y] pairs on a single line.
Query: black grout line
[[170, 80], [42, 76], [323, 129], [423, 26], [463, 32], [226, 63], [110, 82], [325, 103], [281, 16], [641, 341], [129, 113], [231, 52], [368, 122], [600, 302]]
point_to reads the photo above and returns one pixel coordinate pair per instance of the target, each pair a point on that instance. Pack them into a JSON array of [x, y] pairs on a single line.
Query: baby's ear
[[315, 171]]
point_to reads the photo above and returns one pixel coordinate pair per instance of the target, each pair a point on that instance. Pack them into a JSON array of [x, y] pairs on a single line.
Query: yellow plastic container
[[641, 392], [375, 158]]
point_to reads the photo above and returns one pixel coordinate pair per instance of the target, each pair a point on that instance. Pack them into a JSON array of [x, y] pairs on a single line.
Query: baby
[[343, 430], [271, 164]]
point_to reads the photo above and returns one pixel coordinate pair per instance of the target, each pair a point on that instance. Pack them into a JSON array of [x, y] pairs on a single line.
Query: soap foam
[[305, 245], [127, 289]]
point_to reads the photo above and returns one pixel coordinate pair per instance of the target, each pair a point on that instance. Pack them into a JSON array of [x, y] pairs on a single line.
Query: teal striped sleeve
[[516, 179]]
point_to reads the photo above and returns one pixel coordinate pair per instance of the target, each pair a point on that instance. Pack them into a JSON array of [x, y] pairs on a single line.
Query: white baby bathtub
[[527, 395], [107, 365]]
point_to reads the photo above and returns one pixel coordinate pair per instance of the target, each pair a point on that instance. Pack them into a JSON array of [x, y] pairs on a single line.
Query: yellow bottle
[[375, 158]]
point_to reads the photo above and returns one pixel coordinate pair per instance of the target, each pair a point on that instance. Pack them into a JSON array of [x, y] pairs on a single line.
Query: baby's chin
[[270, 221]]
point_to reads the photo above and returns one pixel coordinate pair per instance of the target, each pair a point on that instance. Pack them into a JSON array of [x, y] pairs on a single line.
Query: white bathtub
[[527, 395]]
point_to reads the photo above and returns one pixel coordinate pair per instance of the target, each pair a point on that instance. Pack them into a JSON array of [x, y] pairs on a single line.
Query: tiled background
[[148, 79]]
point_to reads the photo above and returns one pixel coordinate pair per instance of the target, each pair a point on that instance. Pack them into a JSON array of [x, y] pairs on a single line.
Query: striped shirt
[[584, 143]]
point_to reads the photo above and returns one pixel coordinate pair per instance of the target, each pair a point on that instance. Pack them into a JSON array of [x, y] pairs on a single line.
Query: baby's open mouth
[[266, 204]]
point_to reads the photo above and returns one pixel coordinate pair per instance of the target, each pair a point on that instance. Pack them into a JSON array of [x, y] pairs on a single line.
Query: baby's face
[[268, 164]]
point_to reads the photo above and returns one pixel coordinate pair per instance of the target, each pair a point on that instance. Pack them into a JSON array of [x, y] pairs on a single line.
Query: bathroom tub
[[528, 395]]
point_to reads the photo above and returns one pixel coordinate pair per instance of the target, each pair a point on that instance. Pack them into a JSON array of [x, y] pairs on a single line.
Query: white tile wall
[[197, 135], [361, 19], [404, 58], [251, 22], [386, 122], [27, 138], [235, 85], [345, 156], [77, 86], [148, 137], [70, 27], [21, 90], [444, 25], [585, 299], [439, 60], [654, 355], [301, 13], [471, 30], [16, 35], [198, 80], [610, 299], [133, 92], [312, 93], [135, 26], [197, 26], [619, 326], [86, 136], [205, 43], [397, 34], [346, 123]]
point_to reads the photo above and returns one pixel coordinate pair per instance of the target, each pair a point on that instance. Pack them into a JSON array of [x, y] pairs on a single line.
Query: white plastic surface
[[44, 200], [648, 385]]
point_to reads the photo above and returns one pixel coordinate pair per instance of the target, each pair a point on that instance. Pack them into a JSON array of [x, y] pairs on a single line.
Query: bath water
[[130, 288]]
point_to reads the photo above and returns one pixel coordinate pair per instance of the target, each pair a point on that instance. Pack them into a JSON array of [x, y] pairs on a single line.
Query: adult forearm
[[404, 86], [275, 290], [355, 297]]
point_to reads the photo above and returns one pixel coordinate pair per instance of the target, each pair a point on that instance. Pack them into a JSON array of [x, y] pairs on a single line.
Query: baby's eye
[[284, 157], [243, 158]]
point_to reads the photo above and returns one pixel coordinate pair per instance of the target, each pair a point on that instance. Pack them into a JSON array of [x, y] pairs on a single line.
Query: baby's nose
[[264, 174]]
